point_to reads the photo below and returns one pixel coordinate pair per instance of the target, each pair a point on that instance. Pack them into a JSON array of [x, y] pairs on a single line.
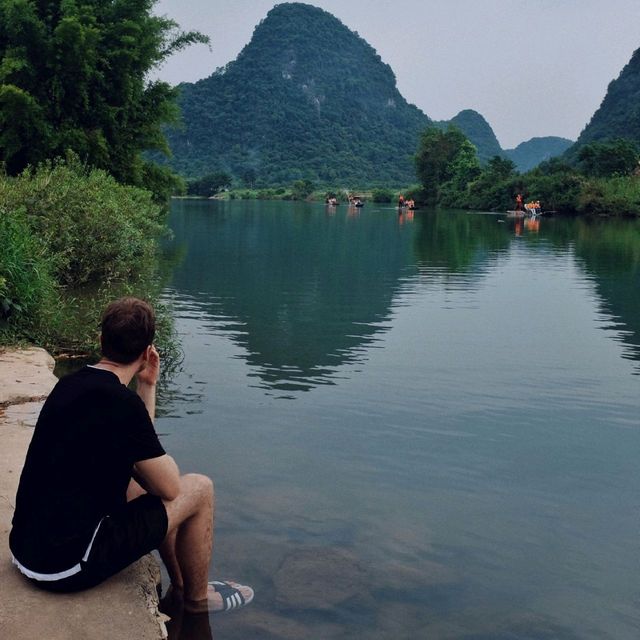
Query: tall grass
[[28, 290]]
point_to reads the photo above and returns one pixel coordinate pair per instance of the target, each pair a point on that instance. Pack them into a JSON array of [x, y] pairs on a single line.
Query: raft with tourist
[[532, 208], [406, 203]]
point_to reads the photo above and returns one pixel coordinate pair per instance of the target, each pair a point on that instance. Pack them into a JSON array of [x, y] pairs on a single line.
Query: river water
[[419, 426]]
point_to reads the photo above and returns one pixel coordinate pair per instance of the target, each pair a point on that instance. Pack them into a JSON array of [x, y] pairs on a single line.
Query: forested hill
[[619, 114], [479, 132], [531, 153], [306, 98]]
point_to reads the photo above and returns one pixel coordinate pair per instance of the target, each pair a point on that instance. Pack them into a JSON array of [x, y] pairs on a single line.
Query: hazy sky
[[530, 67]]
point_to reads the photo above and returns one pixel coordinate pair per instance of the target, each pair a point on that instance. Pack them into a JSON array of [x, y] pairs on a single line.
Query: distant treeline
[[599, 178]]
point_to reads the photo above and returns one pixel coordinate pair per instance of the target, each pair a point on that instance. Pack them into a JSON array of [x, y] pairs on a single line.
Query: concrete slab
[[25, 374]]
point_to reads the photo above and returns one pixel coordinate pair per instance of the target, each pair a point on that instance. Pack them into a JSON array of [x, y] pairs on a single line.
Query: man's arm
[[158, 476]]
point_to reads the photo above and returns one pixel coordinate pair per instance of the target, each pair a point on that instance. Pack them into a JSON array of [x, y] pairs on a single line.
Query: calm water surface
[[419, 426]]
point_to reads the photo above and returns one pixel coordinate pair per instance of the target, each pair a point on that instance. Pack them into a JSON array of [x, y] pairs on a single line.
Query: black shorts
[[122, 538]]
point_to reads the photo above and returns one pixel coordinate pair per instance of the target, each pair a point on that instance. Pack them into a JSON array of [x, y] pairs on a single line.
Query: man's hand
[[146, 380], [150, 369]]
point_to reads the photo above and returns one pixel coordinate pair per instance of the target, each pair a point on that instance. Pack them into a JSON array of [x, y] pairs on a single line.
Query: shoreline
[[125, 606], [240, 196]]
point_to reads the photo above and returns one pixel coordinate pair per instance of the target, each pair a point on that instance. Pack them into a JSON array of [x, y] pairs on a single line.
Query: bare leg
[[186, 550], [190, 533], [168, 554], [167, 549]]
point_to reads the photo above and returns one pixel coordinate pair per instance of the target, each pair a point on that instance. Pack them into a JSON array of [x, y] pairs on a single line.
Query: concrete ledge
[[26, 374], [126, 606]]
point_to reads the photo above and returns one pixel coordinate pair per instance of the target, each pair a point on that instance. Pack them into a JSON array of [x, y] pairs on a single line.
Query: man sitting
[[98, 491]]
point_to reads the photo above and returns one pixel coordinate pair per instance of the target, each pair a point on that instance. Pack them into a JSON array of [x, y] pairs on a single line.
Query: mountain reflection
[[610, 251], [305, 290], [302, 291]]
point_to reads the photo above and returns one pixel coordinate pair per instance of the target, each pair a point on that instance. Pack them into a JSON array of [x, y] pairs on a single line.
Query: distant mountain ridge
[[531, 153], [307, 98]]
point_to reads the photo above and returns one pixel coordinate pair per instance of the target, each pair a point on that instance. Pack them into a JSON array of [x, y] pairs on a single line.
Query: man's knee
[[199, 484]]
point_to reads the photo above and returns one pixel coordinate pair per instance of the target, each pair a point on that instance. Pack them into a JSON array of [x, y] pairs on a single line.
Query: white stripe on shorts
[[52, 577]]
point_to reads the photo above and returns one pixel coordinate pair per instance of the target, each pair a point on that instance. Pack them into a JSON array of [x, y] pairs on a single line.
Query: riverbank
[[126, 606], [287, 193]]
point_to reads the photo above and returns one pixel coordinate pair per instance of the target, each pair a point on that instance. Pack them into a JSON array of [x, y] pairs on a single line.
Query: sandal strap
[[231, 597]]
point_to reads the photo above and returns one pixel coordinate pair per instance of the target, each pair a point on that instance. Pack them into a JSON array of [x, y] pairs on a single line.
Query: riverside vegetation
[[601, 179], [72, 239], [82, 208]]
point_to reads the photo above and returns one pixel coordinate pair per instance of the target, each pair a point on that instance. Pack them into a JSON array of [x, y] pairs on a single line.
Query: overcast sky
[[530, 67]]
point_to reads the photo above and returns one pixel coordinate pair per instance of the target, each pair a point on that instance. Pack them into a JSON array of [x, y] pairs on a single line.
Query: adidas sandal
[[232, 598]]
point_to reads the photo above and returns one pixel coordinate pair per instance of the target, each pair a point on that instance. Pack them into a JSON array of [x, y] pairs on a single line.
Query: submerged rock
[[319, 578]]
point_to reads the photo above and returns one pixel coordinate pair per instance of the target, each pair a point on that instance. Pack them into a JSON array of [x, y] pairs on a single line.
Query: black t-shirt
[[90, 432]]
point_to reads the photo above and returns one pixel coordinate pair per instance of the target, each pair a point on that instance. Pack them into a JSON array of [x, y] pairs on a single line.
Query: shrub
[[72, 240], [301, 189], [94, 229], [383, 195], [614, 196], [556, 191]]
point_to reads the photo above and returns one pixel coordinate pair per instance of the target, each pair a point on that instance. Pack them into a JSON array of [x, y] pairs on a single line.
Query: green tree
[[501, 168], [608, 159], [464, 169], [74, 76], [301, 189], [496, 187], [436, 158]]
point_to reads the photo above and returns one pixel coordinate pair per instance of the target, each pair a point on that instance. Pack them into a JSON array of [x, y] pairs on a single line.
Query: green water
[[419, 426]]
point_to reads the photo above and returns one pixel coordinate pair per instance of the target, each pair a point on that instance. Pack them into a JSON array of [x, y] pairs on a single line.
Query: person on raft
[[98, 491], [519, 202]]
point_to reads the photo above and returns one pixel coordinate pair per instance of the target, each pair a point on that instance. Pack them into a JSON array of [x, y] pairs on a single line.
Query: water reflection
[[458, 243], [303, 293], [185, 626], [610, 253], [466, 461], [304, 290]]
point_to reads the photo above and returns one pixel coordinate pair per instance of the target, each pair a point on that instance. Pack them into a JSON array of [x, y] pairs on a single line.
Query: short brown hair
[[128, 327]]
